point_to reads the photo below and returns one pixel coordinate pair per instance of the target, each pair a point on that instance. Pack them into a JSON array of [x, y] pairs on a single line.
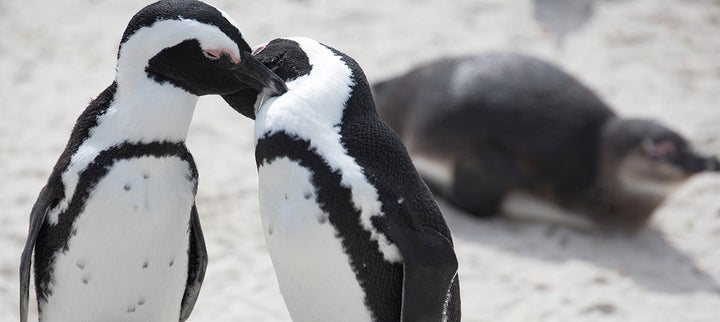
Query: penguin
[[352, 231], [506, 133], [115, 232]]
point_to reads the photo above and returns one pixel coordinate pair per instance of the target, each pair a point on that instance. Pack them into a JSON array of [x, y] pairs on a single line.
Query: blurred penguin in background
[[504, 133]]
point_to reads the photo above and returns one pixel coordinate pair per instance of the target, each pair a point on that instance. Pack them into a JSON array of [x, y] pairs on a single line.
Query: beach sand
[[649, 58]]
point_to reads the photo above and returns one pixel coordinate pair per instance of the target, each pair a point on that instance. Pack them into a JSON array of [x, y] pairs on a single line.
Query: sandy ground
[[658, 58]]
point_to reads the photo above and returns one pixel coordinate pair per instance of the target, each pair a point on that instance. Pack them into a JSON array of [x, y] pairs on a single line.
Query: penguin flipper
[[197, 264], [37, 217], [429, 269]]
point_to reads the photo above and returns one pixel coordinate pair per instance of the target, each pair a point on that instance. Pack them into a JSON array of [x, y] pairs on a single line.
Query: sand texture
[[658, 58]]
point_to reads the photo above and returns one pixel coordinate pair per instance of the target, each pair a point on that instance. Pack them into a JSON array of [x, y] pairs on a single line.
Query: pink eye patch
[[216, 53]]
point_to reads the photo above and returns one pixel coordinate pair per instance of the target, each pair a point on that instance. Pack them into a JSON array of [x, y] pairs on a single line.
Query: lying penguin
[[352, 231], [115, 232], [511, 134]]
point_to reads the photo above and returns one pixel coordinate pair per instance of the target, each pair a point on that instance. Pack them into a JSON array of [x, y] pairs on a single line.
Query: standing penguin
[[352, 231], [115, 232], [511, 134]]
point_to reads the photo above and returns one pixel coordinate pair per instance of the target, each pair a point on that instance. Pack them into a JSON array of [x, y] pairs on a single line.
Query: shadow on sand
[[646, 257]]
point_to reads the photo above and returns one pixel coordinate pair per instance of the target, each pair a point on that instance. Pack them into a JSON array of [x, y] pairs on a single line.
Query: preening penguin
[[353, 232], [114, 232], [508, 133]]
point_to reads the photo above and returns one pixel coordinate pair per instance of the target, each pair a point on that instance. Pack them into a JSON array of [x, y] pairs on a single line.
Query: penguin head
[[193, 46], [311, 70], [647, 151]]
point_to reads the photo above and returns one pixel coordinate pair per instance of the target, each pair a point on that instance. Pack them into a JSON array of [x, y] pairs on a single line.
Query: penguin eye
[[212, 54], [216, 54], [659, 150]]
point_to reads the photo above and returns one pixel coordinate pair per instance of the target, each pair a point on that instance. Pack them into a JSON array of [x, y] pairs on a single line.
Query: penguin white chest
[[313, 270], [127, 257]]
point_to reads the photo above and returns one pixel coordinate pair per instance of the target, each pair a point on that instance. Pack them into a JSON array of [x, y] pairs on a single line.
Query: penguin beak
[[694, 163], [258, 76], [712, 164]]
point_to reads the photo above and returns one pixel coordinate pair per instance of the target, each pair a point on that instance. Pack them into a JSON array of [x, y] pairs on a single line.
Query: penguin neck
[[628, 199], [144, 111], [313, 103]]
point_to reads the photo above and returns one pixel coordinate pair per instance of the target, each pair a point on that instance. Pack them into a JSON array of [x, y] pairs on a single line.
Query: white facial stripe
[[149, 41], [311, 110]]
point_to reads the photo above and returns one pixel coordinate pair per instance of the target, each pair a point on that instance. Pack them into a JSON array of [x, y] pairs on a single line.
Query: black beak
[[712, 164], [694, 163], [258, 76]]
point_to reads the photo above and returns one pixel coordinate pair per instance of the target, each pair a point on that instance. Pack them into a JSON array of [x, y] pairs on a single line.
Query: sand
[[650, 58]]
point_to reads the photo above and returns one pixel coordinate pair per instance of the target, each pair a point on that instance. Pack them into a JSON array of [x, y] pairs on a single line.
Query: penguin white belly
[[127, 257], [312, 268]]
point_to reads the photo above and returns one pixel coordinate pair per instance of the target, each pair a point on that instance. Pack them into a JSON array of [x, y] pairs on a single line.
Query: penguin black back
[[388, 167], [503, 101]]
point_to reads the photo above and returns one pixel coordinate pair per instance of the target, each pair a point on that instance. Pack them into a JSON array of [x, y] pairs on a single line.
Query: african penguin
[[352, 230], [508, 133], [115, 232]]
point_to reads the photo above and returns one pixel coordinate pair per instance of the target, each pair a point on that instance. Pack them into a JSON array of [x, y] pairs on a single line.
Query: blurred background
[[650, 58]]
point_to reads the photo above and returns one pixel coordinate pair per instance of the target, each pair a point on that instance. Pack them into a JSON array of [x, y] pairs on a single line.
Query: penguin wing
[[429, 268], [197, 263], [48, 194]]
